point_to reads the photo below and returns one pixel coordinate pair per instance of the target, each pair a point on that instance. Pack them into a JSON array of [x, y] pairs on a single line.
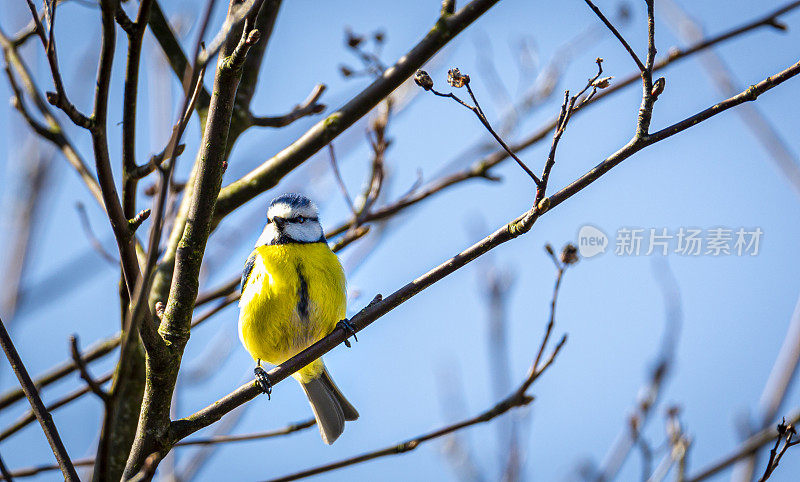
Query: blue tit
[[293, 294]]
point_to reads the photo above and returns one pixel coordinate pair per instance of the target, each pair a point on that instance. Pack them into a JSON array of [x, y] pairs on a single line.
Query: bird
[[293, 293]]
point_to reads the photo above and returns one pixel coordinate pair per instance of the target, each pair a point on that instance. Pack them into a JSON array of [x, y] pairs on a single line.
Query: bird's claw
[[349, 330], [263, 381]]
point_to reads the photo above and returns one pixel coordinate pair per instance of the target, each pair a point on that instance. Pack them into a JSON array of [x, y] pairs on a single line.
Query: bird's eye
[[301, 219]]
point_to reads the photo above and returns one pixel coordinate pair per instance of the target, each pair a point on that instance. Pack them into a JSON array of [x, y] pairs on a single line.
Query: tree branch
[[289, 429], [4, 471], [44, 417], [176, 320], [129, 102], [308, 107], [478, 170], [35, 470], [59, 97], [95, 352], [270, 172], [94, 386], [116, 216], [456, 79], [619, 36], [746, 449], [517, 398], [29, 417], [379, 307], [481, 168], [52, 131]]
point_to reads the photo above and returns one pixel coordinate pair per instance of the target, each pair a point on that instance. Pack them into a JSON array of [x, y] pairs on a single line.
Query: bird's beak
[[279, 222]]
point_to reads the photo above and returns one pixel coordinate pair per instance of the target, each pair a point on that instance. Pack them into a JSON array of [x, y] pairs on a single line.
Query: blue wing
[[248, 267]]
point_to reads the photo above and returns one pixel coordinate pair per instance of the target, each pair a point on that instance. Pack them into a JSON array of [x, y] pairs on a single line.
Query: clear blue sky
[[735, 309]]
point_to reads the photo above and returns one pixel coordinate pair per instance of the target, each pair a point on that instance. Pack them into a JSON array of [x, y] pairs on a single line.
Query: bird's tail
[[330, 407]]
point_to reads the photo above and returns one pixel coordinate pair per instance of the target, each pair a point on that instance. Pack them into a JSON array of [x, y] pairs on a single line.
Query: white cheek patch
[[269, 234], [307, 232]]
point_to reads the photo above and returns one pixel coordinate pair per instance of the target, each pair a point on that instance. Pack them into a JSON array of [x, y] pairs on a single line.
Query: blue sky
[[735, 309]]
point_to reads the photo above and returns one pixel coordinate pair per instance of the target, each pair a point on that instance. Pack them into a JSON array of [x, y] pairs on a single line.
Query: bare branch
[[456, 79], [29, 471], [616, 33], [94, 386], [517, 398], [176, 320], [222, 439], [650, 91], [785, 434], [289, 429], [59, 97], [746, 449], [52, 131], [481, 168], [93, 241], [378, 308], [44, 417], [338, 176], [30, 417], [567, 108], [308, 107], [271, 171], [4, 471], [95, 352]]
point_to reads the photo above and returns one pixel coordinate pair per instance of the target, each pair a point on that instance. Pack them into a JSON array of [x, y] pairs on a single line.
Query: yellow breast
[[294, 295]]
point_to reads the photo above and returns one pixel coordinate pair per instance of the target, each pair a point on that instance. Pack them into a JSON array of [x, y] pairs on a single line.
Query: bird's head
[[291, 218]]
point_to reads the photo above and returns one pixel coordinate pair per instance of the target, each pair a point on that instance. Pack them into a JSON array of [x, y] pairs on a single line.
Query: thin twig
[[38, 469], [44, 417], [480, 169], [291, 428], [223, 439], [785, 434], [52, 129], [269, 173], [95, 352], [649, 92], [94, 386], [338, 176], [59, 97], [616, 33], [354, 234], [30, 417], [308, 107], [644, 448], [746, 449], [93, 241], [463, 80], [567, 108]]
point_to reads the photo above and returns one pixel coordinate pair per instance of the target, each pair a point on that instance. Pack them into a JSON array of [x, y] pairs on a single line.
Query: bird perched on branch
[[293, 294]]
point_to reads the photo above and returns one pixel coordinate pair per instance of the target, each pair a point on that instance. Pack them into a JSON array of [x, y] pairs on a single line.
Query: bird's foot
[[349, 330], [263, 380]]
